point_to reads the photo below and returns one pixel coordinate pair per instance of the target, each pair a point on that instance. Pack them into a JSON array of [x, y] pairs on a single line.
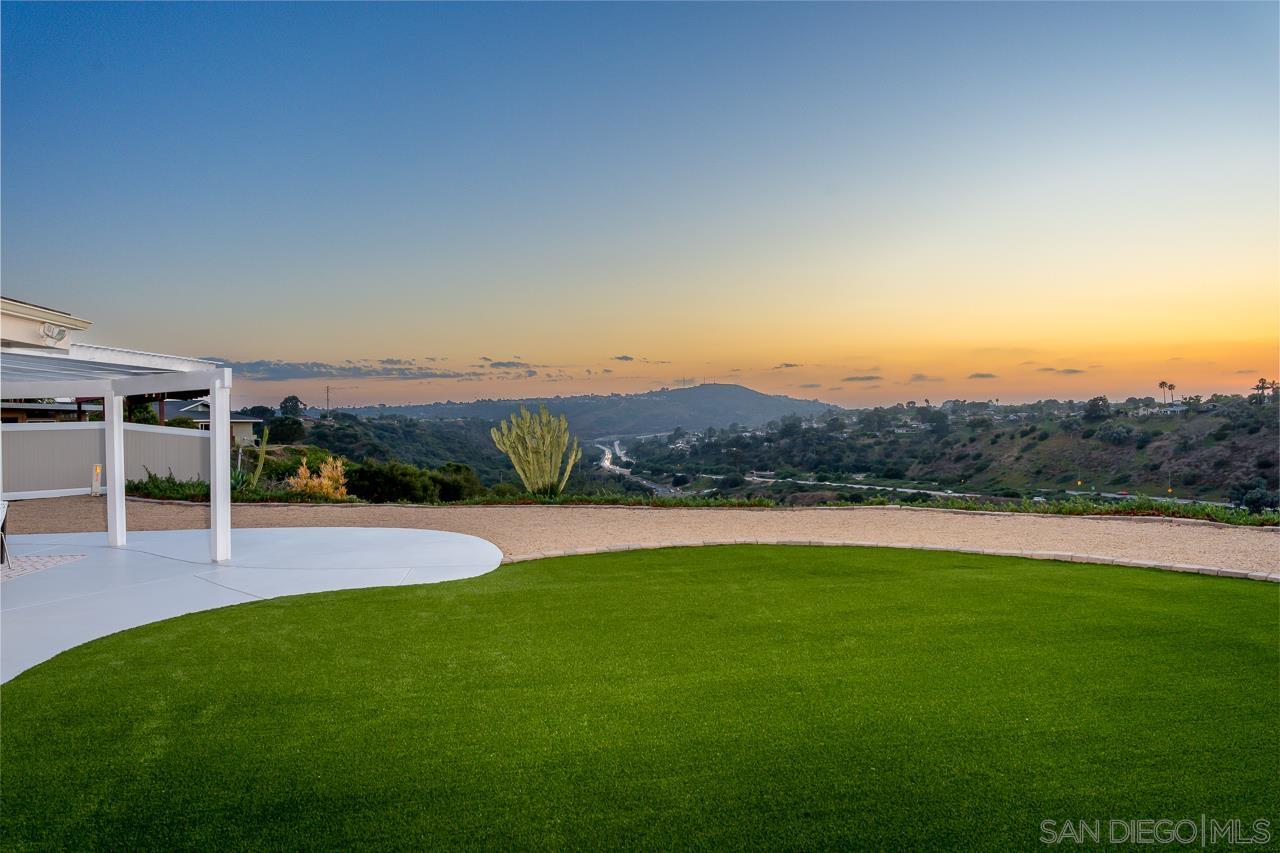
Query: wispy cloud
[[1064, 371], [810, 385], [268, 370], [870, 377], [983, 376], [786, 365], [624, 358], [924, 377], [507, 365], [1248, 371]]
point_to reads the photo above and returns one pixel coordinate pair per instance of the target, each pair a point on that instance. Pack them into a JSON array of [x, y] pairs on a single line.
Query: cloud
[[269, 370], [924, 377], [624, 358], [607, 370], [1248, 371], [507, 365], [983, 376], [1064, 371], [867, 378], [485, 358], [786, 365], [531, 373], [810, 385]]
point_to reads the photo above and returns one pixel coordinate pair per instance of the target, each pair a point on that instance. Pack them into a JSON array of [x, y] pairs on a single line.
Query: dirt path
[[524, 531]]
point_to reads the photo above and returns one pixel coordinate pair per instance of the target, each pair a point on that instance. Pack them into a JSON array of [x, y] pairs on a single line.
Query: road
[[943, 494], [1125, 496], [606, 462]]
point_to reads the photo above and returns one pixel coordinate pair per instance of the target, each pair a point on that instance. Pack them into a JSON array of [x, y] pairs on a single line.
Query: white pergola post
[[113, 420], [219, 472]]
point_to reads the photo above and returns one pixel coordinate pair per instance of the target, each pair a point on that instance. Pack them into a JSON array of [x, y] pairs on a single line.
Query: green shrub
[[392, 482], [457, 482]]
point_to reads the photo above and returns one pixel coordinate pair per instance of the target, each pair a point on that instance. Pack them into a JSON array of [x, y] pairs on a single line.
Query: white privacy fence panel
[[184, 452], [48, 460]]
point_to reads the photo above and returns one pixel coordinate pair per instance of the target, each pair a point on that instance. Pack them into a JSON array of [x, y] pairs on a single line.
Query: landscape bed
[[167, 488], [722, 696]]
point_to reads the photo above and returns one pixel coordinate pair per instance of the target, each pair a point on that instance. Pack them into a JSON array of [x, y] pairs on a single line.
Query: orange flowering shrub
[[329, 483]]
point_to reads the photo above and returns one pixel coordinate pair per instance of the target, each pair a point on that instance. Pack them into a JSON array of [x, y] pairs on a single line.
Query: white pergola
[[113, 374]]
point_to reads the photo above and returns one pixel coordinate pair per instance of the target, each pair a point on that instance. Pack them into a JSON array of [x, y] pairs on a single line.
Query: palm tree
[[1171, 387], [1164, 386]]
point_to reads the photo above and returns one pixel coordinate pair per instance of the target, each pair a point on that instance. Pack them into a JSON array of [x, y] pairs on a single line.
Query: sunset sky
[[857, 203]]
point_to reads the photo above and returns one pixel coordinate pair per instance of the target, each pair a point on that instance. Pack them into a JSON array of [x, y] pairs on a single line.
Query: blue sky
[[711, 188]]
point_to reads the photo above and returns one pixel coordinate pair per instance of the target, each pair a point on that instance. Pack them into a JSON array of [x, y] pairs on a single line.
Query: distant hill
[[594, 416]]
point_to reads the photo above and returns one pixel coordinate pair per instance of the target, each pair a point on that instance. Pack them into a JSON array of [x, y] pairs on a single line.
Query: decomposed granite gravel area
[[524, 532]]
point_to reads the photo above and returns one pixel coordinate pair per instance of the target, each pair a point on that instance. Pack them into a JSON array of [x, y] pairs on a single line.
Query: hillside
[[593, 416], [424, 443], [1197, 455]]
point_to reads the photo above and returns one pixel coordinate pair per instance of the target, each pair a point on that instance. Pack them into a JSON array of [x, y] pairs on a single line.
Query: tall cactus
[[262, 457], [536, 445]]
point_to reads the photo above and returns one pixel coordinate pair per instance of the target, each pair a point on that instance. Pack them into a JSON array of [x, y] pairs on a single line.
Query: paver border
[[1061, 556]]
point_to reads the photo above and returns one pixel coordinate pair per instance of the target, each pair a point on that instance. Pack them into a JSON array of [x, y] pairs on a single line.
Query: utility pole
[[329, 388]]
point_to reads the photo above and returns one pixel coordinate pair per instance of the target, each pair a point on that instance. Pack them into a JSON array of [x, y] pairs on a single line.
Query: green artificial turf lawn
[[726, 696]]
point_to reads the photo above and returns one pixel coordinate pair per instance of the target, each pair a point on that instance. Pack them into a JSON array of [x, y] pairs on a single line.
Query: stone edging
[[1273, 577]]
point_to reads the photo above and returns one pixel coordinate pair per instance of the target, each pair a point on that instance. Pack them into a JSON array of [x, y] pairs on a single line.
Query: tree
[[183, 422], [262, 413], [1164, 386], [938, 421], [790, 427], [1260, 389], [874, 420], [1171, 389], [291, 407], [287, 430], [1115, 432], [139, 411], [536, 446], [1256, 500], [1098, 409]]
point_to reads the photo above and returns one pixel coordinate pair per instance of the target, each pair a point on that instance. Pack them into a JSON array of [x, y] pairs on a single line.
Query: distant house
[[47, 413], [198, 410]]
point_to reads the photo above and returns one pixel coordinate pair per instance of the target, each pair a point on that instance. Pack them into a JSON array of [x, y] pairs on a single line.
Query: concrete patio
[[161, 574]]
